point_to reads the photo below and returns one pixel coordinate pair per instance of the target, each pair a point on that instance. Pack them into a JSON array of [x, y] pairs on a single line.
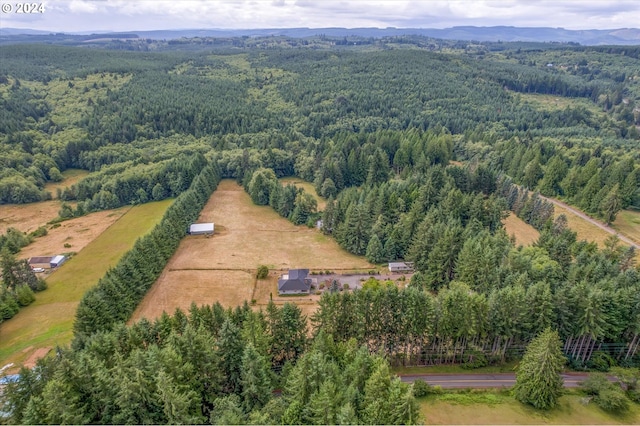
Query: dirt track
[[593, 221]]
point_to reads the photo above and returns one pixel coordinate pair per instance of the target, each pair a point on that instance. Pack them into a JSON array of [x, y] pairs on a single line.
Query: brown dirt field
[[524, 233], [204, 269], [27, 217], [35, 356], [77, 232]]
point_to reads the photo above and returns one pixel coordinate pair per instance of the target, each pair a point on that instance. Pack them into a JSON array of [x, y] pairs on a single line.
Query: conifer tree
[[538, 380]]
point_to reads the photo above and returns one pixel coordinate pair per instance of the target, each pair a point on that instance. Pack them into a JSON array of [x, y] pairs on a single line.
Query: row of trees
[[131, 183], [212, 366], [598, 180], [117, 294], [289, 201]]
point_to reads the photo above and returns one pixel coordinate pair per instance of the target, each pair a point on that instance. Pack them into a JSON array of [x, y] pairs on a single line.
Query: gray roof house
[[295, 282]]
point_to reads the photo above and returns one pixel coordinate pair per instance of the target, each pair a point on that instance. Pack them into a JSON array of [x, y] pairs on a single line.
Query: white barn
[[57, 261], [201, 229], [401, 267]]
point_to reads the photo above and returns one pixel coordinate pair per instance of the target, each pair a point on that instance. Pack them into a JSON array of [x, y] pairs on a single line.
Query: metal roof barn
[[201, 228], [58, 260]]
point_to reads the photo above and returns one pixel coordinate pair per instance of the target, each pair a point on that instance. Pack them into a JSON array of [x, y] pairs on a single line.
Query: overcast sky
[[124, 15]]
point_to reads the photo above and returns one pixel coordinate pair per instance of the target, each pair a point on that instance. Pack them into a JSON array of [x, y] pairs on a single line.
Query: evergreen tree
[[254, 380], [538, 380], [375, 250]]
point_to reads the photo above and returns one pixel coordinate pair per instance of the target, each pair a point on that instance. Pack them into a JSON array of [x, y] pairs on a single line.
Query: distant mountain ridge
[[619, 36]]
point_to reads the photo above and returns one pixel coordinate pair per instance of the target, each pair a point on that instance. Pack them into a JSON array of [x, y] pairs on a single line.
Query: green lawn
[[628, 223], [455, 369], [499, 407], [49, 320]]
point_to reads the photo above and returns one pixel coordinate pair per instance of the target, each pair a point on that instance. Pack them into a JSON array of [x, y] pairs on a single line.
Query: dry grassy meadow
[[222, 267], [75, 233], [28, 217], [524, 233]]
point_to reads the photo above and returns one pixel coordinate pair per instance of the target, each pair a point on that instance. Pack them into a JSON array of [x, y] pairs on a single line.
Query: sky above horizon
[[141, 15]]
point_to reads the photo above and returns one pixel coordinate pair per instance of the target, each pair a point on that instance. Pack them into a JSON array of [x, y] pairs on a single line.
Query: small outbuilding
[[201, 229], [57, 261], [295, 282], [42, 262], [401, 267]]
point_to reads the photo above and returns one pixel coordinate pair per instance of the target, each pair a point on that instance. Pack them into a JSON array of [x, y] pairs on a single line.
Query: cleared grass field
[[584, 229], [208, 269], [48, 321], [628, 222], [71, 176], [76, 233], [499, 408], [28, 217], [524, 233], [308, 187]]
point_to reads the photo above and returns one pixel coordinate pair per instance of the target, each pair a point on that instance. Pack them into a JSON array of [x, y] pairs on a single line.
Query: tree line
[[212, 366], [119, 292]]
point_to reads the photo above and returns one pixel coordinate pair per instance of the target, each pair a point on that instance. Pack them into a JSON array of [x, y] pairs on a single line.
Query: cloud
[[121, 15]]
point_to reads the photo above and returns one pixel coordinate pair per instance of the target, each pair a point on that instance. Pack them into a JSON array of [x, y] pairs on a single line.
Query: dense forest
[[420, 151]]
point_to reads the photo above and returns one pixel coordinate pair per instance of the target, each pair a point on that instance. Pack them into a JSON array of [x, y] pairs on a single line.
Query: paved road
[[593, 221], [497, 380]]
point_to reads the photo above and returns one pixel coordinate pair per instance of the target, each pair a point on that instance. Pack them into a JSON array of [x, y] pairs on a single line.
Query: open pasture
[[48, 322], [245, 236], [27, 217], [524, 233], [497, 408], [75, 233]]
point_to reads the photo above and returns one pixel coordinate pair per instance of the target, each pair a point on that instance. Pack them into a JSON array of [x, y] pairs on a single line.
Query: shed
[[295, 282], [40, 262], [201, 229], [401, 267], [57, 260]]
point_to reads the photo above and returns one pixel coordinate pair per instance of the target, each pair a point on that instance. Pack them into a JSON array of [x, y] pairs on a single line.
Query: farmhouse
[[295, 282], [43, 262], [201, 229], [57, 261], [401, 267]]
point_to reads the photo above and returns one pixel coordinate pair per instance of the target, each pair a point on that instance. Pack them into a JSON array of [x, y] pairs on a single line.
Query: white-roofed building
[[201, 229]]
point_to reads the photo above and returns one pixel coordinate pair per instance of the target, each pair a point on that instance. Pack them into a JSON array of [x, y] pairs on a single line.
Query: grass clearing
[[49, 320], [77, 233], [524, 233], [498, 407], [71, 177], [308, 188], [246, 236], [555, 102], [584, 229], [628, 223], [27, 217]]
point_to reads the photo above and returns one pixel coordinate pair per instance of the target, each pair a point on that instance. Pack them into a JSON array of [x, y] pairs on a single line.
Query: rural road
[[591, 220], [498, 380]]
